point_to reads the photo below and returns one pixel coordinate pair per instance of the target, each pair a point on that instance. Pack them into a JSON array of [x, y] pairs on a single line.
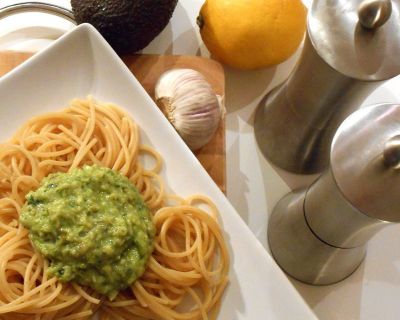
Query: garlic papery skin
[[190, 104]]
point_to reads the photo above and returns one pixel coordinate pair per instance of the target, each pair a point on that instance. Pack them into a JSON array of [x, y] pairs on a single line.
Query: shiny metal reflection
[[391, 152], [319, 234], [295, 124], [37, 6], [300, 253], [341, 64], [374, 13]]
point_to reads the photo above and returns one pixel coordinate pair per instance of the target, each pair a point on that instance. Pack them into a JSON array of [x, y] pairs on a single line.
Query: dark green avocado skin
[[127, 25]]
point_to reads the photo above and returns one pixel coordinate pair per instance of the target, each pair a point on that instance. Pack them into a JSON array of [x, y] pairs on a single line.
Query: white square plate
[[82, 63]]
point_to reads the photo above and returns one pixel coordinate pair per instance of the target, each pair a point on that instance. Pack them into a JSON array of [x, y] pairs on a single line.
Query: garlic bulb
[[190, 104]]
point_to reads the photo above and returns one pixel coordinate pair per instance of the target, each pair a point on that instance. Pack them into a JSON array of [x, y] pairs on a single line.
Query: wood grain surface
[[147, 69]]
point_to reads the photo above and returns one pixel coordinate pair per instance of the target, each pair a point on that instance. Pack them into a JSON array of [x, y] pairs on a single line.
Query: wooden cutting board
[[147, 69]]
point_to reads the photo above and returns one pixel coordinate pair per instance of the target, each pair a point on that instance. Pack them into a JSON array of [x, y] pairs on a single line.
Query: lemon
[[252, 34]]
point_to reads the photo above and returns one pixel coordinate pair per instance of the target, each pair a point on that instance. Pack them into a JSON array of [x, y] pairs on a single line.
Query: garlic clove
[[190, 104]]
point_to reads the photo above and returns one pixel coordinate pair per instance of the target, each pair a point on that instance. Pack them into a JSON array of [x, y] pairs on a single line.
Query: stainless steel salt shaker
[[349, 48], [319, 235]]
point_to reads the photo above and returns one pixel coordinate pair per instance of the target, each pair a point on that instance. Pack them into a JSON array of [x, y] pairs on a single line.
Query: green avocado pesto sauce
[[93, 226]]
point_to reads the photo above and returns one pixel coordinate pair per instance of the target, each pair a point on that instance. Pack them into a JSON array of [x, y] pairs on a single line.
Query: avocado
[[127, 25]]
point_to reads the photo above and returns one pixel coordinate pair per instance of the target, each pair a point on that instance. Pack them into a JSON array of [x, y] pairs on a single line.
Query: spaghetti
[[188, 270]]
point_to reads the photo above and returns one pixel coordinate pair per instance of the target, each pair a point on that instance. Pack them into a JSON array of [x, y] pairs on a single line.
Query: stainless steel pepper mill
[[319, 235], [350, 46]]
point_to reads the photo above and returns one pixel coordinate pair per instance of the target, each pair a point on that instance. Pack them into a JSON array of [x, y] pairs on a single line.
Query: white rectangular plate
[[82, 63]]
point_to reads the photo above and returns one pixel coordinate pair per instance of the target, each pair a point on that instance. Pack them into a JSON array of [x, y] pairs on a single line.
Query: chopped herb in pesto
[[93, 226]]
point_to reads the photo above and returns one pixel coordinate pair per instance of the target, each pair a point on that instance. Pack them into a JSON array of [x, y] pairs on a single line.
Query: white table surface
[[253, 185]]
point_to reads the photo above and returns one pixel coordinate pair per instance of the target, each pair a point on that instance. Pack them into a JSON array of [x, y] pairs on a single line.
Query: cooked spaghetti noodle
[[188, 270]]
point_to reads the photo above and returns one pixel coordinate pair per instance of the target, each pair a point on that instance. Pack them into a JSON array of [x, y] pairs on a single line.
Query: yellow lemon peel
[[252, 34]]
